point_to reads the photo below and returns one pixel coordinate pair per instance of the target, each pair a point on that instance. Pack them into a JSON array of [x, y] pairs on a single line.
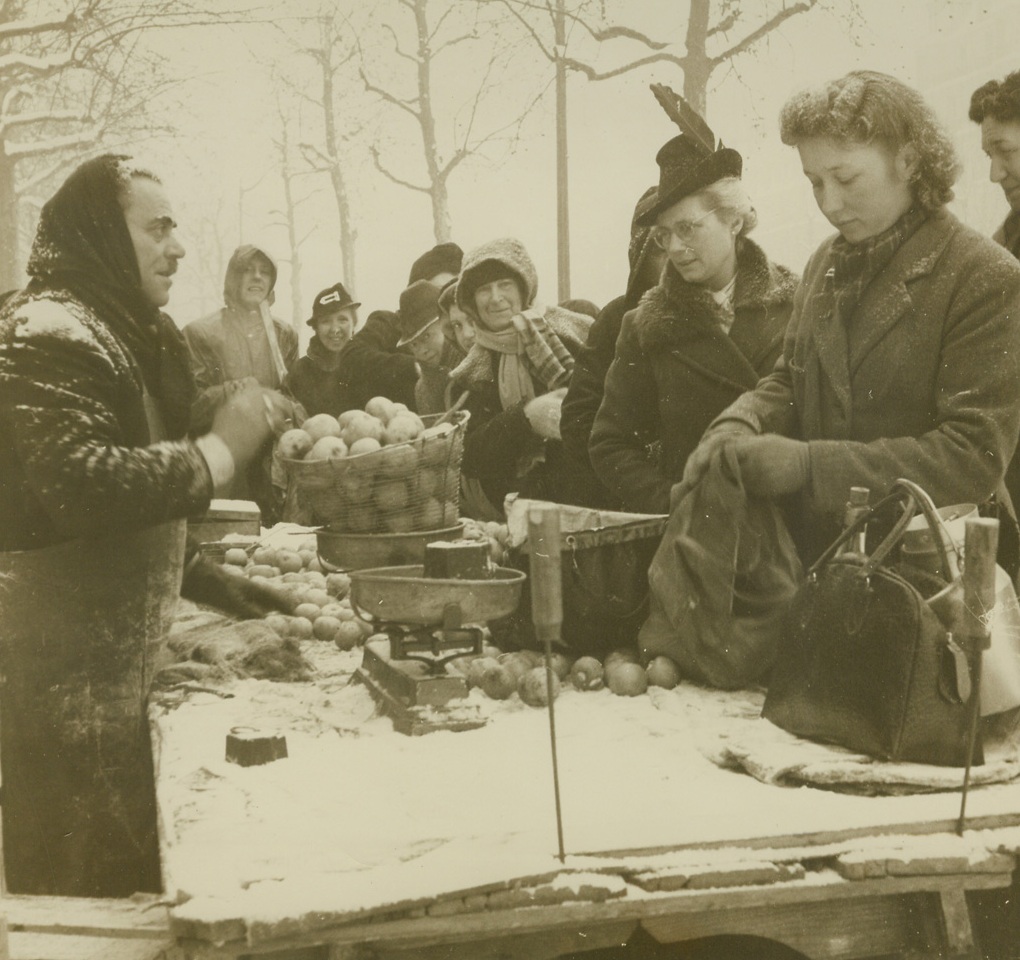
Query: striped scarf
[[530, 352]]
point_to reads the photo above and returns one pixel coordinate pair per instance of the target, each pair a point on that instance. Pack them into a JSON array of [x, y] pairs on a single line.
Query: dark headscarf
[[82, 246]]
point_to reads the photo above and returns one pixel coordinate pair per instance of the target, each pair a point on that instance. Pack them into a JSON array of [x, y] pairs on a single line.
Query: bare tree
[[414, 46], [73, 77], [290, 174], [330, 150], [717, 33]]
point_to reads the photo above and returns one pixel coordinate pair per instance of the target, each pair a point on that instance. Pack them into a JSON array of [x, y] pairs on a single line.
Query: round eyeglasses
[[683, 230]]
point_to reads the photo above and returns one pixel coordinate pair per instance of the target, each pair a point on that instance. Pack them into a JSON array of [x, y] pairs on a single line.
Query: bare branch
[[592, 74], [21, 28], [374, 150], [727, 23], [396, 45], [767, 27], [404, 105]]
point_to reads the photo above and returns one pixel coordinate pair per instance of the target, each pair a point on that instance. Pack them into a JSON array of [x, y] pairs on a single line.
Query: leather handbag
[[867, 658]]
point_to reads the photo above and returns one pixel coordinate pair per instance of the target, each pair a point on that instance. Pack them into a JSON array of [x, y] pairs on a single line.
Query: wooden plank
[[426, 931], [48, 946], [956, 917], [144, 917], [817, 838]]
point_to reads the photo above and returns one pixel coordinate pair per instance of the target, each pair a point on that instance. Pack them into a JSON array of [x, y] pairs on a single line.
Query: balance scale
[[428, 622]]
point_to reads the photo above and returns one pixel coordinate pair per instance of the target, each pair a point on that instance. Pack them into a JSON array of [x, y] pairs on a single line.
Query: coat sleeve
[[976, 401], [60, 393], [769, 407], [210, 385], [626, 425], [584, 395], [496, 439], [376, 367]]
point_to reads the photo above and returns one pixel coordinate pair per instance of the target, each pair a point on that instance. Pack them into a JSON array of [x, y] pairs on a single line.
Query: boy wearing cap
[[317, 380], [424, 333]]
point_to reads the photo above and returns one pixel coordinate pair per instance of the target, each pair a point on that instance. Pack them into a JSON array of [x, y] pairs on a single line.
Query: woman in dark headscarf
[[96, 479]]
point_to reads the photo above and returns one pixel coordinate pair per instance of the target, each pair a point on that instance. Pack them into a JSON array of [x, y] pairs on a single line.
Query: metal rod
[[547, 613]]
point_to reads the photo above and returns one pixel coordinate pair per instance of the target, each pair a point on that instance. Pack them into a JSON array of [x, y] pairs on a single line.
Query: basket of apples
[[383, 469]]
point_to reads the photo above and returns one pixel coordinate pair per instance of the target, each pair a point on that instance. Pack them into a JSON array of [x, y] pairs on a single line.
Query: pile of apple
[[392, 473], [496, 534], [500, 675], [322, 608]]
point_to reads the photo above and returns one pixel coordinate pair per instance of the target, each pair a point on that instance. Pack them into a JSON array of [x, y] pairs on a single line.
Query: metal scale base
[[415, 690]]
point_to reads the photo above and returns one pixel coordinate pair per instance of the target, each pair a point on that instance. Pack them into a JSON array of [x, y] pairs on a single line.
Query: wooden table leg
[[956, 920]]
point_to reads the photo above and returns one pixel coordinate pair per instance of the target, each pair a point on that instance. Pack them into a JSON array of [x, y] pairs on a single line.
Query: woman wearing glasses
[[710, 329]]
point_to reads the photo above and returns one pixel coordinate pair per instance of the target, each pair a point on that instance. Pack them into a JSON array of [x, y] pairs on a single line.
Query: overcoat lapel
[[887, 297], [831, 343]]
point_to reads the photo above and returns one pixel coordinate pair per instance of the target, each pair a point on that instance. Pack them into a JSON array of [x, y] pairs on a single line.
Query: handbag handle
[[915, 497]]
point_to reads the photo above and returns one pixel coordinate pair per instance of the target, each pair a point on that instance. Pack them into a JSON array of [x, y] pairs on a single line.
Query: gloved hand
[[206, 582], [544, 412], [698, 461], [771, 465], [246, 420]]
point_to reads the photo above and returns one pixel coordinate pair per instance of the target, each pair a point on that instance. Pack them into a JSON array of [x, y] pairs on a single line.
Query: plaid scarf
[[533, 352], [855, 265]]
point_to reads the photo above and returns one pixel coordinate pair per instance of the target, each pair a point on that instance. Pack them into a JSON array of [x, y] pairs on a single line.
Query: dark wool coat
[[75, 459], [923, 382], [376, 368], [431, 392], [499, 444], [319, 382], [1009, 234], [676, 368]]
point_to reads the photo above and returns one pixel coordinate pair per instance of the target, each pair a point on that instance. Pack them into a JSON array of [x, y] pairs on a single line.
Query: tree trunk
[[697, 66], [296, 300], [10, 276], [348, 233], [562, 164], [427, 121]]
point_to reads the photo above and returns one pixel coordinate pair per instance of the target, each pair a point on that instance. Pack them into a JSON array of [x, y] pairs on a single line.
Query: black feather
[[690, 122]]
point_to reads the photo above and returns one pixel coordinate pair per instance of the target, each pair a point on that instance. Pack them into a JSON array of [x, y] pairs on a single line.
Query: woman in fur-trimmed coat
[[677, 367]]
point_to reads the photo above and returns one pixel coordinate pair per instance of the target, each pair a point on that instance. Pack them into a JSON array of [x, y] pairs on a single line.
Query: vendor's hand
[[698, 461], [236, 386], [246, 420], [771, 465], [544, 412], [206, 582]]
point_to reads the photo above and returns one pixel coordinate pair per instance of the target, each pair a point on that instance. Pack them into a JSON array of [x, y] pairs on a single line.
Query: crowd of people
[[897, 354]]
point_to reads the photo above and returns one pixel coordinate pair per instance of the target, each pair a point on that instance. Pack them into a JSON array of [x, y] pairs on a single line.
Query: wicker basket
[[401, 488]]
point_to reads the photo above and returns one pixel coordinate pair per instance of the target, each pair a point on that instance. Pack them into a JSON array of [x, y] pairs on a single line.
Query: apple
[[328, 448], [294, 444], [321, 425]]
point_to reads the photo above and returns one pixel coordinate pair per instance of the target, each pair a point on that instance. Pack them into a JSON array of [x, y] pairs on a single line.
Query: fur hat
[[442, 258], [329, 301], [419, 309]]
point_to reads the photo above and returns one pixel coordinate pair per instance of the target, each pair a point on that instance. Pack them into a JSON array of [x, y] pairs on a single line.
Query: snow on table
[[358, 816]]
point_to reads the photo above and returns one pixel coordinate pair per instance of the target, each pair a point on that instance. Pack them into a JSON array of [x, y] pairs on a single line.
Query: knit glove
[[771, 465], [206, 582]]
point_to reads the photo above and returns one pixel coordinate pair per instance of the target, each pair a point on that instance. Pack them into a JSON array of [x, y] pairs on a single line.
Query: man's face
[[151, 226], [1000, 140], [427, 347], [256, 281]]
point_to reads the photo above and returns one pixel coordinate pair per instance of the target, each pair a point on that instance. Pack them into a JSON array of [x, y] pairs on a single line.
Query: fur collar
[[477, 366], [676, 310]]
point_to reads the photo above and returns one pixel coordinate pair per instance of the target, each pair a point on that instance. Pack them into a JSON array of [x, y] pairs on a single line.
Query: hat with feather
[[690, 161]]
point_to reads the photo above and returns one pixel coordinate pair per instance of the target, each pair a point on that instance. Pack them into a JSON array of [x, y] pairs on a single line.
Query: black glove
[[207, 582]]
